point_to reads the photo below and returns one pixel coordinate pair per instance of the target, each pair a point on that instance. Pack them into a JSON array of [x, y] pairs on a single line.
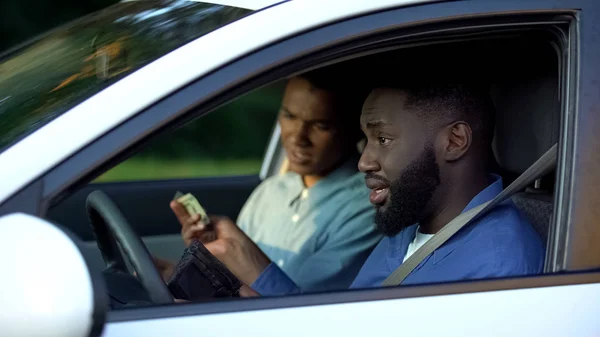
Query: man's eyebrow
[[322, 120], [376, 124], [286, 110]]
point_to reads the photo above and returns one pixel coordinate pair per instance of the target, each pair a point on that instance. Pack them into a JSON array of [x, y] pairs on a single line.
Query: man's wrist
[[273, 281], [261, 262]]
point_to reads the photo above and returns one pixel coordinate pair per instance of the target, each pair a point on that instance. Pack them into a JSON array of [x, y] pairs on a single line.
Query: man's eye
[[383, 140], [323, 126]]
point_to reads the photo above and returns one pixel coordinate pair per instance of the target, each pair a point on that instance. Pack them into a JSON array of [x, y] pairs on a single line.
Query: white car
[[85, 97]]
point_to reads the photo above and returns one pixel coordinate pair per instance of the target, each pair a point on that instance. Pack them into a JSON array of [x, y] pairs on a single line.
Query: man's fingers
[[180, 211], [199, 232], [193, 231], [223, 226], [192, 220], [182, 215]]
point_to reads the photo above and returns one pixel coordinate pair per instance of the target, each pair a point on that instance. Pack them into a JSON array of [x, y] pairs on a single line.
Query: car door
[[518, 306], [496, 308]]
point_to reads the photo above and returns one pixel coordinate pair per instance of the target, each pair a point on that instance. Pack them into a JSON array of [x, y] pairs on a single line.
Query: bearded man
[[425, 163]]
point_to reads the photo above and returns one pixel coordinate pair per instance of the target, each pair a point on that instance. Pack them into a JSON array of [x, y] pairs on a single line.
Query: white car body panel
[[523, 312], [248, 4], [84, 123], [40, 296]]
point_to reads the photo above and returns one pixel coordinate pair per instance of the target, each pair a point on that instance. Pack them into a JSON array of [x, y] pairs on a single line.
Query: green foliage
[[231, 140], [21, 20], [239, 129], [156, 168]]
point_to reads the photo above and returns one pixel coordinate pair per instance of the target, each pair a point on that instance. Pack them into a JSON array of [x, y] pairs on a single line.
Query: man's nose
[[301, 134], [368, 161]]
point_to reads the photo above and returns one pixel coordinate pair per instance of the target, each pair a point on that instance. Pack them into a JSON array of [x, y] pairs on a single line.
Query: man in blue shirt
[[425, 163], [313, 221]]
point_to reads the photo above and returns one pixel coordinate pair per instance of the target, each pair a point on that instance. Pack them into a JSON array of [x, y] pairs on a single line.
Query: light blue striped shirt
[[319, 236]]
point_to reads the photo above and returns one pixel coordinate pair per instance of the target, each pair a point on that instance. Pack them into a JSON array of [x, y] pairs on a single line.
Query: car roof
[[59, 139]]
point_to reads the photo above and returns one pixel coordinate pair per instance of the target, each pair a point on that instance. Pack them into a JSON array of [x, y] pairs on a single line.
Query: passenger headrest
[[527, 120]]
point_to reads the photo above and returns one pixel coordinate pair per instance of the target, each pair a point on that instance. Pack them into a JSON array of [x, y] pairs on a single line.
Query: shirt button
[[280, 263], [295, 218], [304, 194]]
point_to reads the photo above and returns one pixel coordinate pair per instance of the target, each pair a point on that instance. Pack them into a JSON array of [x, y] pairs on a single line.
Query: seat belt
[[542, 166]]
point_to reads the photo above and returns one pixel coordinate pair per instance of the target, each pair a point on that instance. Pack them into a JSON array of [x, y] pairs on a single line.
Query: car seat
[[527, 125]]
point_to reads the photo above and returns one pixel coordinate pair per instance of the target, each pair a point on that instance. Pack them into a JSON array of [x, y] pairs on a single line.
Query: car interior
[[522, 70]]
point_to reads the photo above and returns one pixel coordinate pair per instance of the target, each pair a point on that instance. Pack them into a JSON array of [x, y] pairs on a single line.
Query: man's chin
[[386, 223], [303, 169], [382, 207]]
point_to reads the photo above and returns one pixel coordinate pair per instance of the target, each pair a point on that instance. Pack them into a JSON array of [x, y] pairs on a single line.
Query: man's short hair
[[439, 103], [349, 93]]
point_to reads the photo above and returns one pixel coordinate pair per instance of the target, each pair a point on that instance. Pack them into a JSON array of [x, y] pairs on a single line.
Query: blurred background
[[229, 141]]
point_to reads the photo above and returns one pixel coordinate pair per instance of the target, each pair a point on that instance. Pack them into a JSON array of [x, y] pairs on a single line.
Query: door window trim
[[352, 296], [273, 156]]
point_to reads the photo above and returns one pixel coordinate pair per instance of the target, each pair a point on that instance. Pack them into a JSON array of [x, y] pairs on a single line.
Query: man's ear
[[456, 139]]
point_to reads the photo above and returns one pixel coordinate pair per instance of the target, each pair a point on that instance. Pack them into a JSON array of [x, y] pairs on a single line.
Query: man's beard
[[410, 194]]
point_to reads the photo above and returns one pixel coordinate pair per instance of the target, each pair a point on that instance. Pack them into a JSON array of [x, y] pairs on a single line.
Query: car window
[[229, 141], [47, 77]]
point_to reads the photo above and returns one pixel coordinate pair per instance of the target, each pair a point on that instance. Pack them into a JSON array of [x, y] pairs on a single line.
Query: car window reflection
[[51, 75]]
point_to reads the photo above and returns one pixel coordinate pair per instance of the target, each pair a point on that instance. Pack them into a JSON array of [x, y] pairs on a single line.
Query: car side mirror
[[47, 287]]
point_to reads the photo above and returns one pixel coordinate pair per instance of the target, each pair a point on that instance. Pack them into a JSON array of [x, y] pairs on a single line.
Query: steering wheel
[[112, 229]]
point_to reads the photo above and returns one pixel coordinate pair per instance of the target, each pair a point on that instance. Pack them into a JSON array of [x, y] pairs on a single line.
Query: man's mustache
[[376, 177]]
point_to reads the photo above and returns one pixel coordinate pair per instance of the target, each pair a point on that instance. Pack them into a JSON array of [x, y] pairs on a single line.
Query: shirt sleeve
[[273, 281], [374, 270], [344, 247], [339, 260], [350, 241]]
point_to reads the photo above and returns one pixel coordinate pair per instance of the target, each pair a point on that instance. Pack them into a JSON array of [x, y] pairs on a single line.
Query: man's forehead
[[382, 103]]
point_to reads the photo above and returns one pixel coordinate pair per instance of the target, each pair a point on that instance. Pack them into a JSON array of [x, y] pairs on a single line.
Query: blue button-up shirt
[[501, 243], [319, 236]]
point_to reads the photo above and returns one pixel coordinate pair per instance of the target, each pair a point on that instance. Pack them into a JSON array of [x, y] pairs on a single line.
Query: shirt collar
[[487, 194], [346, 170], [343, 172]]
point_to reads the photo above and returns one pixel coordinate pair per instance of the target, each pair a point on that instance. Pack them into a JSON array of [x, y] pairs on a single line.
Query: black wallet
[[199, 276]]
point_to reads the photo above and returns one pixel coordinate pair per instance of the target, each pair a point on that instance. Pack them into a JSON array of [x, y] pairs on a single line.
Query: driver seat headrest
[[527, 121], [527, 125]]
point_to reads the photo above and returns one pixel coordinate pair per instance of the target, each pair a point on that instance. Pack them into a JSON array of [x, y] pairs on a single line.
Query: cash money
[[192, 206]]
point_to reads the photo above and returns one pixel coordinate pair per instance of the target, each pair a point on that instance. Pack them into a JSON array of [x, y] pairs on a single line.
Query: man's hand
[[165, 268], [235, 250], [191, 226], [225, 241]]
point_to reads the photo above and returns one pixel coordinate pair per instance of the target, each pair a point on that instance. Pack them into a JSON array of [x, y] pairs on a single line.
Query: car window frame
[[85, 161], [274, 155], [206, 110]]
